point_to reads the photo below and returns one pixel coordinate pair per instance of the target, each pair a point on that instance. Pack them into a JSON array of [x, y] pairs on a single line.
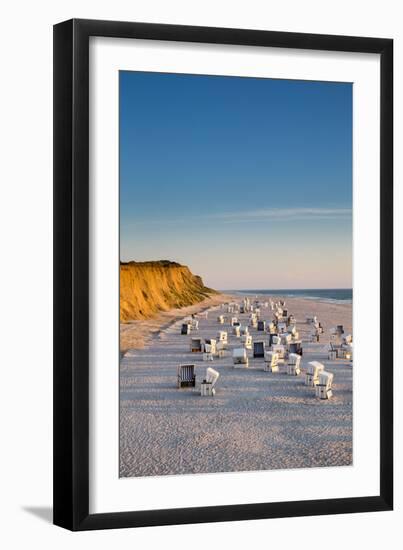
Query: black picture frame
[[71, 274]]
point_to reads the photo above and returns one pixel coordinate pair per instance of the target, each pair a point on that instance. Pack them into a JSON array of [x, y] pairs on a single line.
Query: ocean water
[[335, 295]]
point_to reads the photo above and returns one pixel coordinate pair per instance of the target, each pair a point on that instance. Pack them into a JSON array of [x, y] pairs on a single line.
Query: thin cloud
[[283, 214], [257, 215]]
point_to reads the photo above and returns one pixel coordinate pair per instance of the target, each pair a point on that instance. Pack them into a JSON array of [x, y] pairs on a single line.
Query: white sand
[[256, 421], [137, 334]]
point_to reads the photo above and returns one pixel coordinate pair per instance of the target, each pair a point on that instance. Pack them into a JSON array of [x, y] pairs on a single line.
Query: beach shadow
[[45, 513]]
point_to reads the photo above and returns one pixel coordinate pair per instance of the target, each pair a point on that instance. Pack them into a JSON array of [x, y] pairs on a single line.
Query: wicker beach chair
[[280, 350], [186, 377], [271, 328], [312, 374], [323, 389], [275, 340], [286, 338], [247, 341], [207, 386], [271, 361], [295, 347], [210, 345], [258, 349], [195, 345], [253, 320], [294, 364], [239, 357], [186, 328], [222, 336]]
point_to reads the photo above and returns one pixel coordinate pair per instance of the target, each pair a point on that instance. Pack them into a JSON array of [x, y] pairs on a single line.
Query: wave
[[329, 295]]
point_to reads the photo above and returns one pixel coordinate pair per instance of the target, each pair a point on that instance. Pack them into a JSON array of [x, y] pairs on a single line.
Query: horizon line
[[277, 289]]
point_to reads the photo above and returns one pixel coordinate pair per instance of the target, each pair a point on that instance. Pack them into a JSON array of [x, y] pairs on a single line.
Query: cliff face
[[149, 287]]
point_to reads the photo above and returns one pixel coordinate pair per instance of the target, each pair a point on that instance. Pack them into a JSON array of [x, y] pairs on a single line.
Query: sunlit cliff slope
[[149, 287]]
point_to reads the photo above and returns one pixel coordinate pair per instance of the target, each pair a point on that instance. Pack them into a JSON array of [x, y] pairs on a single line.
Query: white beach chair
[[220, 349], [207, 386], [323, 389], [292, 329], [343, 352], [280, 350], [222, 337], [348, 339], [210, 345], [314, 336], [234, 320], [247, 341], [221, 319], [349, 353], [281, 327], [271, 361], [312, 373], [294, 364], [253, 321], [236, 330], [285, 338], [335, 339], [239, 357], [276, 340], [337, 350], [271, 328], [332, 355], [278, 315]]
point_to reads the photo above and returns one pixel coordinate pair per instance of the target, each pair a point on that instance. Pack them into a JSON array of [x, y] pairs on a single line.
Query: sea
[[332, 295]]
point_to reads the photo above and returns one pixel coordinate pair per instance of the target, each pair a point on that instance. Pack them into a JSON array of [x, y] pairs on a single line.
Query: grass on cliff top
[[160, 263]]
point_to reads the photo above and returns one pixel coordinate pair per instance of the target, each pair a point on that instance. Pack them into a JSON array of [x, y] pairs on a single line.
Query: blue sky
[[247, 181]]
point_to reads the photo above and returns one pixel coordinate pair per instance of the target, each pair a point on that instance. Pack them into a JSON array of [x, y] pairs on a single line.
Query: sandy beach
[[256, 421], [137, 334]]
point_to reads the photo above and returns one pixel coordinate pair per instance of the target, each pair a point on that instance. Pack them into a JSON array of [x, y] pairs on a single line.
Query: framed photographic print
[[223, 265]]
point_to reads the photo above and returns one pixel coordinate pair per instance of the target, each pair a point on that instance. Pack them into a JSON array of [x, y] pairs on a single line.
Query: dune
[[147, 288]]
